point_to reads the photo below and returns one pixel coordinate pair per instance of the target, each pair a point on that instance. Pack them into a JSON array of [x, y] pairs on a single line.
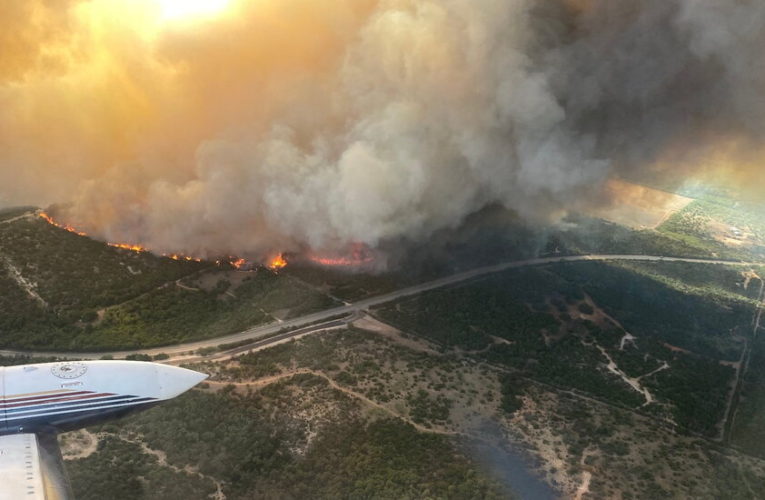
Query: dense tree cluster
[[704, 324], [704, 310]]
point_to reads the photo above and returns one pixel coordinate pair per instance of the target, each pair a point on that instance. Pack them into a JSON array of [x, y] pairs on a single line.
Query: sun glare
[[184, 9]]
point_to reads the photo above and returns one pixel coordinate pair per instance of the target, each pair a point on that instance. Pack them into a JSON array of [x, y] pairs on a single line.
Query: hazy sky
[[265, 125]]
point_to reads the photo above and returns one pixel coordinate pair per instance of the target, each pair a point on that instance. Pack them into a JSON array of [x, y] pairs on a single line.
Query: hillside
[[65, 291], [614, 380], [619, 379]]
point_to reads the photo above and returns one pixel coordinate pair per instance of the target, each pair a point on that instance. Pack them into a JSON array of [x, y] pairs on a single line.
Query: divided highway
[[336, 316]]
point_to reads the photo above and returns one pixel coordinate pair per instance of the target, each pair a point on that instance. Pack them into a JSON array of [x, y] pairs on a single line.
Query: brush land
[[62, 291], [375, 412], [581, 379], [551, 364]]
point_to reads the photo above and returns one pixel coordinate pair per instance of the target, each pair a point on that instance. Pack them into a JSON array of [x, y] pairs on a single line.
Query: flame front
[[359, 255], [65, 227], [128, 246], [277, 263], [340, 261], [123, 246], [176, 256], [238, 263]]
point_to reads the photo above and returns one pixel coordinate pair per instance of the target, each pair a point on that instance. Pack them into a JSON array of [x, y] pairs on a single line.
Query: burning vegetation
[[128, 246], [43, 215], [123, 246], [238, 263], [277, 263], [357, 256]]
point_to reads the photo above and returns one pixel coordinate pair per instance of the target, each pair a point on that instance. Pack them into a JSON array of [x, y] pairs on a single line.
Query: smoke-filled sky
[[269, 125]]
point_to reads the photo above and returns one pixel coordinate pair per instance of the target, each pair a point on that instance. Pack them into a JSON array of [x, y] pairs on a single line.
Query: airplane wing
[[38, 401], [31, 468], [20, 468]]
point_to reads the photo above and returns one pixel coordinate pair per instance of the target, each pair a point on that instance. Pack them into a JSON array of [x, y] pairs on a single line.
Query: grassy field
[[589, 235], [725, 227]]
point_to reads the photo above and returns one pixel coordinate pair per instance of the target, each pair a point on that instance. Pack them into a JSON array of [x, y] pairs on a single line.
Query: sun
[[184, 9]]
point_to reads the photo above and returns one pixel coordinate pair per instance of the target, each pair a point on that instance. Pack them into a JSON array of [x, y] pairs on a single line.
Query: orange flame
[[123, 246], [177, 256], [340, 261], [238, 263], [128, 246], [277, 263], [65, 227], [359, 256]]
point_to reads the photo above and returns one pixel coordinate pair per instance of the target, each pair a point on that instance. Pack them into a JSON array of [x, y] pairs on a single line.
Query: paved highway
[[329, 317]]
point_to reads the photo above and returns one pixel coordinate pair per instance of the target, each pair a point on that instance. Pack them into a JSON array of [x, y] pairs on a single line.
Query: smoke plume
[[280, 125]]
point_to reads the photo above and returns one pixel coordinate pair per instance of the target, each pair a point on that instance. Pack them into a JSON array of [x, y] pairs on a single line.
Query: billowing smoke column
[[279, 125]]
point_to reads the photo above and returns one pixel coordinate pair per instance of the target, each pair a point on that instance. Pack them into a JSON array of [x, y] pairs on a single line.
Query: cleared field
[[721, 223], [639, 207]]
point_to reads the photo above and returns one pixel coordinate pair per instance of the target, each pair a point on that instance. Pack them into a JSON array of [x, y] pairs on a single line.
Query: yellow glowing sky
[[149, 17], [89, 86], [101, 23], [184, 9]]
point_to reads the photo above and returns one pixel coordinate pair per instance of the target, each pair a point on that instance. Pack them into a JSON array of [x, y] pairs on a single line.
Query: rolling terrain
[[629, 375], [64, 291]]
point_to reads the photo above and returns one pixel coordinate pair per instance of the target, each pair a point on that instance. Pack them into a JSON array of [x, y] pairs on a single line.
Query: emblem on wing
[[68, 370]]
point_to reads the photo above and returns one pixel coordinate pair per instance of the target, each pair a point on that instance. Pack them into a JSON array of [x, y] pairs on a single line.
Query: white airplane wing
[[38, 401], [20, 468]]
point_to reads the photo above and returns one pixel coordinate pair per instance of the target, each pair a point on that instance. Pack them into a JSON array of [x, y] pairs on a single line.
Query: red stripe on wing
[[87, 395], [46, 396]]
